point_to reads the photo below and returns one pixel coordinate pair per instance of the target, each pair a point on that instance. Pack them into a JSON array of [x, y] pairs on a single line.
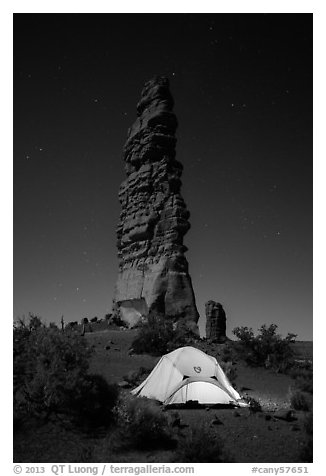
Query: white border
[[60, 6]]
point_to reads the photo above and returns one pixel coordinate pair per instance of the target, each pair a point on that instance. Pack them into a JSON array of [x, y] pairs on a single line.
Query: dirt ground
[[248, 437]]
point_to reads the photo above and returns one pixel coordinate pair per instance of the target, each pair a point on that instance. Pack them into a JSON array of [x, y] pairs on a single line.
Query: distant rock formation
[[153, 271], [215, 321]]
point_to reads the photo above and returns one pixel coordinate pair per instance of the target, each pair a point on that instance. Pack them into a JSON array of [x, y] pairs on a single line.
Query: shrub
[[306, 452], [157, 336], [304, 383], [230, 371], [300, 400], [51, 376], [135, 377], [142, 424], [267, 348], [308, 424], [93, 404], [48, 368], [226, 354], [303, 377], [254, 405], [196, 449], [300, 367], [153, 336], [35, 322], [20, 349], [244, 334], [106, 449]]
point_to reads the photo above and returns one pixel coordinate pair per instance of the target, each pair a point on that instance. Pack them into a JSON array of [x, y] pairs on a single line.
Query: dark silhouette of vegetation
[[308, 424], [303, 377], [300, 400], [306, 452], [153, 336], [142, 425], [227, 353], [230, 371], [302, 389], [267, 348], [51, 376], [254, 405], [201, 446], [135, 377], [158, 335], [94, 402]]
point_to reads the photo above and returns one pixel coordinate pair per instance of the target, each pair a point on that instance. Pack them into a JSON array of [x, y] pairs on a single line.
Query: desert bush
[[21, 335], [304, 383], [299, 367], [107, 449], [308, 424], [303, 376], [157, 336], [142, 424], [300, 400], [306, 451], [230, 371], [244, 334], [195, 448], [51, 376], [267, 348], [254, 405], [226, 354], [135, 377], [48, 368], [35, 322], [94, 401]]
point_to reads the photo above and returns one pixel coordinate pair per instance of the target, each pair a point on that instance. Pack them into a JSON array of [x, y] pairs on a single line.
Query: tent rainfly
[[188, 374]]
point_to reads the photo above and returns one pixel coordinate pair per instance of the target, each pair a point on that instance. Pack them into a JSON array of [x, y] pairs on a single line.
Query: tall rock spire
[[153, 271]]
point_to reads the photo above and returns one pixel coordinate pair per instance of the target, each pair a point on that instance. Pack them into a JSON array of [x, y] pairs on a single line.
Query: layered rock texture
[[153, 270], [215, 321]]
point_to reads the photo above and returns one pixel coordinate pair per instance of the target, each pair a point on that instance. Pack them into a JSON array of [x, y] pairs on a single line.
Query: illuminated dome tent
[[188, 374]]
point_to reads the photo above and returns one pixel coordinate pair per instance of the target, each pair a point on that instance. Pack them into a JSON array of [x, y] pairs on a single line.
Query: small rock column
[[215, 321]]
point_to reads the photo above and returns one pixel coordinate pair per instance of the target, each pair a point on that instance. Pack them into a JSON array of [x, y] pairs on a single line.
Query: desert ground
[[248, 436]]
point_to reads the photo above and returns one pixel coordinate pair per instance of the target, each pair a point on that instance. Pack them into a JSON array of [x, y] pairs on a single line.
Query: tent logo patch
[[197, 370]]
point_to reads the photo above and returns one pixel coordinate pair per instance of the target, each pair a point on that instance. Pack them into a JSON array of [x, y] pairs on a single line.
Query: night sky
[[242, 86]]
